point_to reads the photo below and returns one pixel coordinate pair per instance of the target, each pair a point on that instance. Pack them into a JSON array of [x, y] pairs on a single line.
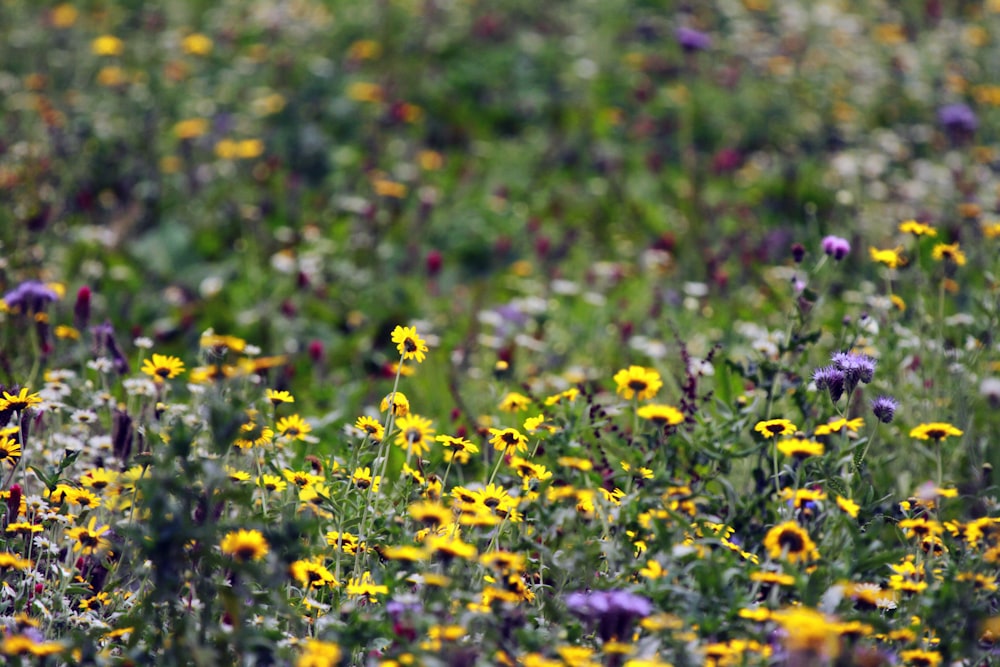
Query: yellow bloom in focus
[[162, 367], [409, 344], [197, 44], [20, 401], [892, 257], [917, 228], [294, 427], [773, 427], [936, 431], [107, 45], [638, 382], [244, 545], [370, 427], [415, 434], [508, 439], [277, 397], [319, 654], [948, 252], [90, 539], [10, 450], [848, 506]]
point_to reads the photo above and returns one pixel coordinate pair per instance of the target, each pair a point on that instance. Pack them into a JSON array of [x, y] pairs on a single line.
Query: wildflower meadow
[[455, 333]]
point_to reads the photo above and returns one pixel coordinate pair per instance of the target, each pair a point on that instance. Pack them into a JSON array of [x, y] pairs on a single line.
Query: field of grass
[[459, 333]]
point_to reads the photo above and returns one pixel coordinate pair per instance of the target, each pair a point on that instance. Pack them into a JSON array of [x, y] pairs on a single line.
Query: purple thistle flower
[[692, 40], [958, 118], [832, 379], [884, 408], [856, 368], [31, 296], [836, 247]]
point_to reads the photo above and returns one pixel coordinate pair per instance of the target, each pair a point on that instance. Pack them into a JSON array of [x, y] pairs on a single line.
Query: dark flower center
[[409, 345], [792, 540], [637, 385]]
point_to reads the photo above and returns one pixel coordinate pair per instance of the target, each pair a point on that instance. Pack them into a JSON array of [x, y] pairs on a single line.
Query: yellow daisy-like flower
[[363, 479], [365, 585], [917, 228], [662, 415], [800, 448], [415, 434], [319, 654], [838, 425], [244, 545], [370, 427], [312, 573], [936, 431], [294, 427], [791, 542], [400, 404], [197, 44], [948, 252], [90, 539], [163, 367], [848, 506], [10, 450], [20, 401], [508, 439], [921, 657], [514, 402], [409, 344], [638, 382], [891, 257], [273, 483], [772, 427], [277, 397]]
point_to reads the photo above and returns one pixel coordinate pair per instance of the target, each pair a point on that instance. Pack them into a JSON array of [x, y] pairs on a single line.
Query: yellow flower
[[891, 257], [936, 431], [838, 425], [773, 427], [400, 404], [790, 541], [244, 545], [514, 402], [312, 573], [10, 450], [277, 397], [917, 228], [809, 632], [197, 44], [90, 539], [363, 479], [162, 367], [294, 427], [415, 434], [848, 506], [949, 252], [409, 344], [64, 15], [508, 439], [107, 45], [365, 585], [20, 401], [370, 427], [661, 415], [319, 654], [800, 448], [638, 382], [191, 129]]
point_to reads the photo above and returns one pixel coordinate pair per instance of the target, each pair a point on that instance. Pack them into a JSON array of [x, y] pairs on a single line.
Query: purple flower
[[836, 247], [856, 368], [830, 378], [884, 408], [614, 612], [692, 40], [31, 296], [958, 118]]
